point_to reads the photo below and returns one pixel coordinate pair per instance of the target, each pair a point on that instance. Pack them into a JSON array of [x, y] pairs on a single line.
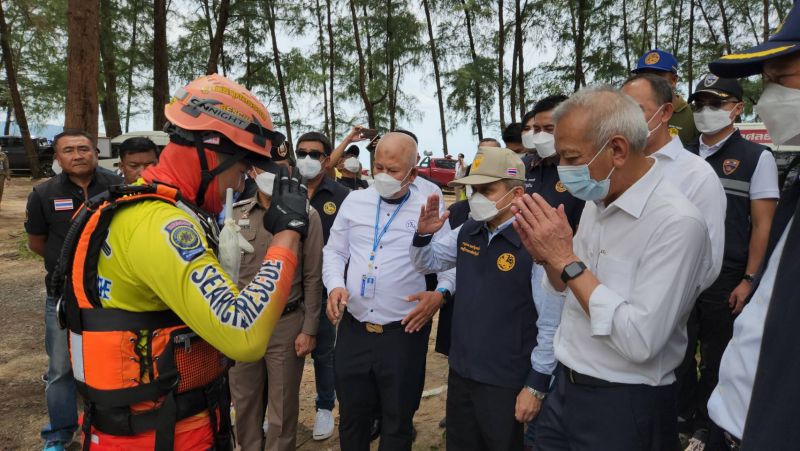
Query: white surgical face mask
[[351, 164], [545, 144], [481, 208], [387, 186], [265, 181], [778, 107], [309, 167], [711, 120], [650, 132], [527, 140]]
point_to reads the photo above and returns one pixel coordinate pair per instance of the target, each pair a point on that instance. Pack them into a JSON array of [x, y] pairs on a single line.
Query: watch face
[[573, 269]]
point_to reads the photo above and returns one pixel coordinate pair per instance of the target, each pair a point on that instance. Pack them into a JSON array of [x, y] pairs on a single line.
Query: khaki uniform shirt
[[682, 122], [307, 283]]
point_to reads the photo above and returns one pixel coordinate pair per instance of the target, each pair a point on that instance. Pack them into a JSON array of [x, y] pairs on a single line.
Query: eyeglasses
[[314, 154], [713, 102]]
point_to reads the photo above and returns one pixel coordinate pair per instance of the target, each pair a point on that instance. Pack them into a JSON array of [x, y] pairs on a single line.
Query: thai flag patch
[[511, 171], [63, 204]]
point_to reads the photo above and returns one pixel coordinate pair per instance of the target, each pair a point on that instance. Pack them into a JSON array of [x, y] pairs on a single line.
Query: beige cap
[[492, 164]]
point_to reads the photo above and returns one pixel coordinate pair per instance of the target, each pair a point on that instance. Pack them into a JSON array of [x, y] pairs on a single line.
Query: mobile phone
[[374, 143], [368, 133]]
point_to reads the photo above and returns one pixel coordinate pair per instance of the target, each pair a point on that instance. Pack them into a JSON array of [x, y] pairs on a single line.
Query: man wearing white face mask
[[380, 304], [754, 405], [350, 169], [629, 276], [501, 355]]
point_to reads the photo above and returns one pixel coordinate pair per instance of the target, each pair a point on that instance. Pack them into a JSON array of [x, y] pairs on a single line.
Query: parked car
[[440, 171], [18, 160]]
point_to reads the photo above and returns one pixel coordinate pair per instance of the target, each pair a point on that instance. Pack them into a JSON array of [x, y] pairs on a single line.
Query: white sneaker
[[323, 425]]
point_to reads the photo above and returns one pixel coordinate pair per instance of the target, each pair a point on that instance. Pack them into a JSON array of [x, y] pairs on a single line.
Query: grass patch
[[22, 249]]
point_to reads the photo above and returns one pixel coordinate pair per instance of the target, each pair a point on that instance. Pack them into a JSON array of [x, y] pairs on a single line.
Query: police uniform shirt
[[51, 206], [699, 183], [764, 183], [541, 176], [353, 183], [647, 249], [351, 239], [327, 200]]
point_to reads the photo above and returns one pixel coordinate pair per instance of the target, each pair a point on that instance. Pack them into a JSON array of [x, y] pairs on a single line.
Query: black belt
[[583, 379], [290, 307], [375, 328]]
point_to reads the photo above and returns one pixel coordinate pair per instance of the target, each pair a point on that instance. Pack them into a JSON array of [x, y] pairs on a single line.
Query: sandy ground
[[23, 359]]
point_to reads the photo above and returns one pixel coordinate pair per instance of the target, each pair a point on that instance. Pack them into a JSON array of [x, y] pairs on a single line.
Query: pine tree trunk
[[766, 20], [276, 56], [331, 68], [475, 82], [690, 51], [108, 56], [436, 74], [501, 37], [160, 64], [16, 100], [219, 37], [129, 77], [520, 59], [726, 32], [321, 44], [83, 57], [362, 75], [391, 63], [625, 35], [513, 95]]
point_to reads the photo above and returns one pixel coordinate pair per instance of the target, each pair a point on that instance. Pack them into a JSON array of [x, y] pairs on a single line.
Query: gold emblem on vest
[[560, 187], [729, 166], [329, 208], [470, 248], [506, 262]]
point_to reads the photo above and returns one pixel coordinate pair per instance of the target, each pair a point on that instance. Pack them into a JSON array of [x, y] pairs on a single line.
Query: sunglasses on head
[[314, 154], [713, 102]]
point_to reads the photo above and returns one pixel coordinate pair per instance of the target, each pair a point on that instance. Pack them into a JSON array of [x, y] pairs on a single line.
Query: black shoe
[[375, 430], [443, 423]]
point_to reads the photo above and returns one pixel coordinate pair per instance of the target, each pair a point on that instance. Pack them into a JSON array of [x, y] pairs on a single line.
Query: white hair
[[610, 113]]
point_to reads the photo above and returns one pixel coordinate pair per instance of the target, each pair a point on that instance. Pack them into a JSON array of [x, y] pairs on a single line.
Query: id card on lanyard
[[369, 279]]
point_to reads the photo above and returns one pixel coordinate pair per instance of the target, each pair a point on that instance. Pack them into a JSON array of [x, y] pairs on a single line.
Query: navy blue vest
[[494, 320]]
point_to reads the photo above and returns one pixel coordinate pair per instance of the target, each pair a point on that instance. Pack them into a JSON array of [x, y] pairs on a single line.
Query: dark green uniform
[[682, 122]]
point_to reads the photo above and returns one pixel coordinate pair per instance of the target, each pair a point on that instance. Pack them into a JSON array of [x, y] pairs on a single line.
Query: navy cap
[[657, 60], [723, 88], [353, 150], [785, 41]]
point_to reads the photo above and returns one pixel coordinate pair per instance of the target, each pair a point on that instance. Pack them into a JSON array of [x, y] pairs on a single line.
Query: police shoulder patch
[[329, 208], [183, 237], [729, 166]]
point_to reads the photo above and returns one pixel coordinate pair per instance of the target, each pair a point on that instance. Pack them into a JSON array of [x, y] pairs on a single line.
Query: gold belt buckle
[[374, 328]]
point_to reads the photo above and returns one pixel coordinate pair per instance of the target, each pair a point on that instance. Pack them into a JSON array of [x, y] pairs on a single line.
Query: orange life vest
[[137, 371]]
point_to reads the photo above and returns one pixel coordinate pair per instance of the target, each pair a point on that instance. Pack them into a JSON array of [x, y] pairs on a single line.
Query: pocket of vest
[[195, 362]]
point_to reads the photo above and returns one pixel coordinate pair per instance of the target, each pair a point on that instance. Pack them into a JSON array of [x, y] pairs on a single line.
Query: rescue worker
[[152, 315]]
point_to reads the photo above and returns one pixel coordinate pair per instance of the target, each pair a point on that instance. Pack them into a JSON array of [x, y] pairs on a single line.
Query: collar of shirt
[[671, 150], [706, 150], [634, 199], [496, 231]]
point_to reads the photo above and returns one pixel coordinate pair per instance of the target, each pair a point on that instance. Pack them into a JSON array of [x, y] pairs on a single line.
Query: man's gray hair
[[610, 113]]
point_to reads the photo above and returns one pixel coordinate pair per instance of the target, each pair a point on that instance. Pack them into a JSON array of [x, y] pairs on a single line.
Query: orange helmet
[[214, 103]]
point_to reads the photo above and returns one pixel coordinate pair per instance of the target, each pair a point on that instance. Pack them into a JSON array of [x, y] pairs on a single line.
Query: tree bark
[[108, 56], [436, 74], [579, 27], [500, 55], [219, 36], [690, 51], [391, 63], [362, 75], [513, 95], [83, 57], [518, 38], [16, 100], [129, 77], [726, 33], [645, 44], [766, 20], [708, 24], [331, 67], [160, 64], [625, 35], [475, 79], [276, 56], [321, 44]]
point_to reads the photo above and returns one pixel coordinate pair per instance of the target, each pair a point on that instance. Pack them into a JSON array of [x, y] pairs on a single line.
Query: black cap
[[785, 41], [724, 88], [353, 150]]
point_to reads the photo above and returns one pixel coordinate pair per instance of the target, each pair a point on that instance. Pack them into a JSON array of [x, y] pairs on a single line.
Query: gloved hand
[[288, 208]]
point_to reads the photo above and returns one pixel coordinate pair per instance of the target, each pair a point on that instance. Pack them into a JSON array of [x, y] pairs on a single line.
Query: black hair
[[73, 132], [662, 91], [137, 144], [407, 132], [512, 133], [548, 103], [484, 140], [316, 136]]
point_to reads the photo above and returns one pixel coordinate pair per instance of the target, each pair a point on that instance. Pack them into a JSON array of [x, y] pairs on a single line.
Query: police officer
[[665, 65], [512, 137], [5, 172], [50, 207], [749, 176], [501, 355]]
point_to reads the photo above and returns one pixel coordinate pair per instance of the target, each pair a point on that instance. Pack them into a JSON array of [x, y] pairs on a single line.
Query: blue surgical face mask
[[579, 182]]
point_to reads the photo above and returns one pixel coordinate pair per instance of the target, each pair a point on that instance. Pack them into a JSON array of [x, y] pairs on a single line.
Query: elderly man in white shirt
[[630, 276], [383, 333]]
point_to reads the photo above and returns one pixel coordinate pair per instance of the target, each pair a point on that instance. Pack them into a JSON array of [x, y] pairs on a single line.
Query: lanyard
[[379, 236]]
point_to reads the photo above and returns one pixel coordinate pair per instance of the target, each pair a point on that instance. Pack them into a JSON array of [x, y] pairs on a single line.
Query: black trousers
[[621, 418], [710, 324], [480, 417], [378, 373]]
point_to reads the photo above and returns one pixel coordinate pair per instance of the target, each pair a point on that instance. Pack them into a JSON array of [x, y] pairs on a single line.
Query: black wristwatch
[[749, 277], [572, 271]]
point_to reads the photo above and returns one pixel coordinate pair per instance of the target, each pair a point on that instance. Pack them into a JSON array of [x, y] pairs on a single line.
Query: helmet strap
[[206, 175]]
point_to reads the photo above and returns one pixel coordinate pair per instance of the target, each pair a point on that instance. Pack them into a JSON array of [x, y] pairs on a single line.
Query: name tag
[[63, 204], [368, 286], [244, 223]]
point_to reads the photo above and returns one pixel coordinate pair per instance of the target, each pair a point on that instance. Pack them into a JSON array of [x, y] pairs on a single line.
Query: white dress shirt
[[647, 249], [697, 181], [730, 400], [351, 239], [441, 254], [764, 183]]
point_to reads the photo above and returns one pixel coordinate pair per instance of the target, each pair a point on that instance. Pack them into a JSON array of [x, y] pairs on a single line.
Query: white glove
[[231, 242]]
